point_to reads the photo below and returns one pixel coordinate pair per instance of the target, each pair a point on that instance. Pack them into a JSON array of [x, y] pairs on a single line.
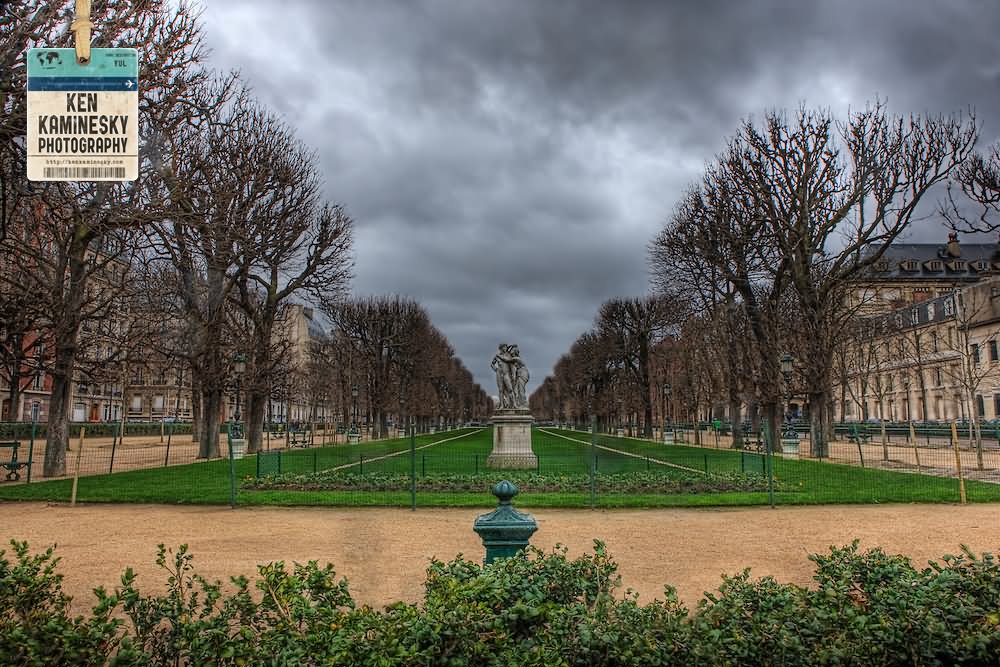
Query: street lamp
[[786, 372], [354, 418], [906, 389], [240, 366]]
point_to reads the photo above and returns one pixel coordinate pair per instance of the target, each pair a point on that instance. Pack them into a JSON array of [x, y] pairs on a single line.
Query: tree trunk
[[65, 338], [817, 425], [736, 418], [208, 446], [772, 415], [256, 409], [197, 416], [57, 431]]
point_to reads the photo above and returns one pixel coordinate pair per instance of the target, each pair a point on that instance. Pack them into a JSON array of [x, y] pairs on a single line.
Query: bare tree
[[771, 206], [65, 227], [632, 327], [382, 330], [978, 178]]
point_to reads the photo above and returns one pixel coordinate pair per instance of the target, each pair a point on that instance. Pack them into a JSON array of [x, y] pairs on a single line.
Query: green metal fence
[[571, 468]]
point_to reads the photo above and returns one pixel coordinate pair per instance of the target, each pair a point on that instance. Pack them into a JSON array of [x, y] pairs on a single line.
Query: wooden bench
[[298, 439], [13, 466]]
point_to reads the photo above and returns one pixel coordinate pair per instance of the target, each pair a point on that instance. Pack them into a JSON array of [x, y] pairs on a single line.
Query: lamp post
[[667, 391], [354, 416], [786, 373], [906, 395], [240, 366], [789, 436]]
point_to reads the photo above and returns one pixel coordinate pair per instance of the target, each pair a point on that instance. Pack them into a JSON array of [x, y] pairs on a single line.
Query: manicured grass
[[799, 482], [204, 482], [809, 481]]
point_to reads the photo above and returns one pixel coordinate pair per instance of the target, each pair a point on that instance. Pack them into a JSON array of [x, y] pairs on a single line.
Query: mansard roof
[[932, 262]]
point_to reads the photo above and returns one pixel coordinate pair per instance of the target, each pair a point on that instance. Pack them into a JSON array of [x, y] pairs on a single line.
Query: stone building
[[935, 355]]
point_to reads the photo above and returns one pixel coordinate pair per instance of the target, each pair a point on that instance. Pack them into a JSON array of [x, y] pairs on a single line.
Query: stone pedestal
[[512, 440]]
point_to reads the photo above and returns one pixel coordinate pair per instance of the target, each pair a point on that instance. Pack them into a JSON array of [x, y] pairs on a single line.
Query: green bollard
[[504, 531]]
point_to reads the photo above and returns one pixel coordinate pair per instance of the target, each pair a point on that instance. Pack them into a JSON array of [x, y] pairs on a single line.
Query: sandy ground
[[384, 552], [135, 452]]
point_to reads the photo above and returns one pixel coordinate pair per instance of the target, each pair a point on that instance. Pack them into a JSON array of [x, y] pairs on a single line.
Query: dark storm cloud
[[508, 161]]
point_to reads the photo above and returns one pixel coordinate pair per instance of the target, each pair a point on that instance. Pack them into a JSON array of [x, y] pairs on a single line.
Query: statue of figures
[[512, 377]]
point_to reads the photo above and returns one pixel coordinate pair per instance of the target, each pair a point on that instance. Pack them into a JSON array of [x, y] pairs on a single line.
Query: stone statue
[[512, 377]]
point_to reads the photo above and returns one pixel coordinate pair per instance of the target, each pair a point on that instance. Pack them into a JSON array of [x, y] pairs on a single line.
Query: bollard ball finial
[[505, 491]]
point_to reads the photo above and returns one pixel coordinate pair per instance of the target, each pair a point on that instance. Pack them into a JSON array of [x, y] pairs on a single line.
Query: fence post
[[743, 461], [861, 454], [476, 465], [361, 464], [76, 471], [647, 464], [279, 461], [232, 466], [593, 461], [31, 449], [170, 436], [111, 467], [958, 463], [770, 464], [706, 464], [913, 439], [257, 473], [314, 461], [413, 467], [423, 465]]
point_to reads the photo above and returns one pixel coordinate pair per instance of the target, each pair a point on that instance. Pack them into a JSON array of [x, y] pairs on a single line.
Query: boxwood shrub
[[865, 608], [22, 430], [660, 481]]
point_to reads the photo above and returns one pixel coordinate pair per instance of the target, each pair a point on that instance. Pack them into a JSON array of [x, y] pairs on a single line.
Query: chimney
[[953, 249]]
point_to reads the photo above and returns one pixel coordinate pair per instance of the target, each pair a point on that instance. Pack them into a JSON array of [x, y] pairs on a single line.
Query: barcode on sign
[[85, 172]]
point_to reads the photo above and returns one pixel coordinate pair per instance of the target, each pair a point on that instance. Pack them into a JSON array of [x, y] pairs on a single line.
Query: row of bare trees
[[403, 367], [761, 254], [200, 258]]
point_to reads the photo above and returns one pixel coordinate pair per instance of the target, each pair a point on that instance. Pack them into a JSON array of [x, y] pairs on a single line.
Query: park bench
[[298, 439], [13, 466], [858, 437]]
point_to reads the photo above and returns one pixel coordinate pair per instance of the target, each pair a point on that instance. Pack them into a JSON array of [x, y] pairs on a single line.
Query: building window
[[975, 353], [158, 403], [137, 376], [980, 407], [36, 382], [136, 405], [996, 405], [994, 353], [937, 374], [934, 340]]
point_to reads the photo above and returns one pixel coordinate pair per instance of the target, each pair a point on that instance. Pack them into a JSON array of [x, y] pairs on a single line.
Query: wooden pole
[[913, 441], [76, 471], [958, 462]]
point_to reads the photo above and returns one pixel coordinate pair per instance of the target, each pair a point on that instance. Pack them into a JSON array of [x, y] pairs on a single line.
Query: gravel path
[[384, 552]]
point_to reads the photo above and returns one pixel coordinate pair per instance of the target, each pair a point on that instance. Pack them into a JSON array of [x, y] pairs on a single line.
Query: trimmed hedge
[[866, 608], [22, 430], [665, 481]]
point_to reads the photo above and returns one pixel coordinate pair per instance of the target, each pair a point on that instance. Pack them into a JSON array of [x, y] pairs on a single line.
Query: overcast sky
[[507, 162]]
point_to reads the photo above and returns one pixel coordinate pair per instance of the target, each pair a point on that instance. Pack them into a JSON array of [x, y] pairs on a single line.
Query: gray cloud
[[507, 162]]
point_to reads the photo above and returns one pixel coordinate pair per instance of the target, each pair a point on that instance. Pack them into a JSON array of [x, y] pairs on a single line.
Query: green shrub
[[22, 430], [867, 608], [652, 481]]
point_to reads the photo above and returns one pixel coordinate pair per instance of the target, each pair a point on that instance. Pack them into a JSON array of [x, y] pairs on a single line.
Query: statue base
[[512, 441]]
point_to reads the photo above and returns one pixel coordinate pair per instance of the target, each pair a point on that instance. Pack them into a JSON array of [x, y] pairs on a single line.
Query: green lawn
[[810, 481], [799, 482]]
